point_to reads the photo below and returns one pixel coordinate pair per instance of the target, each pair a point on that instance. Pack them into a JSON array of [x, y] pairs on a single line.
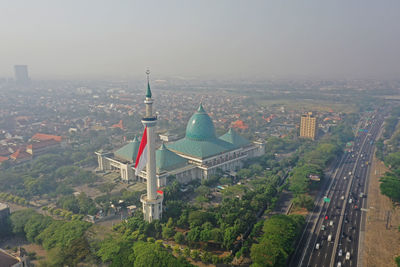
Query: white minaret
[[152, 201]]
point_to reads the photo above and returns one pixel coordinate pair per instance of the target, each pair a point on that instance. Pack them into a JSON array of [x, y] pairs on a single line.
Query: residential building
[[308, 126]]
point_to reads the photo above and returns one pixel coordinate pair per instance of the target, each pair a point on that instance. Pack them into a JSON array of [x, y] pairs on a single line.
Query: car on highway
[[331, 223], [323, 227], [326, 217], [340, 252], [339, 264], [347, 255], [317, 246], [329, 238]]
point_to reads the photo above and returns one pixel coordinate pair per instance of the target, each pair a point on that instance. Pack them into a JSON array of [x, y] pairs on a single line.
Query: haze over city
[[208, 39], [199, 133]]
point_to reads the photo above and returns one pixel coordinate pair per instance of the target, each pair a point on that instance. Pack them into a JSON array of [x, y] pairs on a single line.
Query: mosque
[[196, 156]]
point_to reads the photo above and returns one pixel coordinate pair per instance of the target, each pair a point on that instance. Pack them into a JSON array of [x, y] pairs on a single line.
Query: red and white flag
[[141, 158]]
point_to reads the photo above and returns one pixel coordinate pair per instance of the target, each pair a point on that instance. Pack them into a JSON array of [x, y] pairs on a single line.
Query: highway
[[333, 228]]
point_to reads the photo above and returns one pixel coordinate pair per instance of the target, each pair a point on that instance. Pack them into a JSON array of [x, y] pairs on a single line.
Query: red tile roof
[[239, 124], [42, 144], [118, 125], [20, 154], [43, 137]]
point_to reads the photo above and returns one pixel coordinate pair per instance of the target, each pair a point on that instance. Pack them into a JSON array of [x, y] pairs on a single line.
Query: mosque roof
[[200, 140], [167, 160], [129, 151], [200, 126], [234, 138], [201, 149]]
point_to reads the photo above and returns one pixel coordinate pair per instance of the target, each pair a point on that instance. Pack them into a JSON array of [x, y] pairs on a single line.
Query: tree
[[390, 186], [225, 180], [256, 168], [203, 190], [265, 254], [393, 160], [167, 232], [194, 234], [244, 173], [77, 251], [276, 244], [35, 225], [19, 219], [55, 234], [186, 252], [69, 203], [148, 254], [230, 235], [117, 250], [179, 238], [397, 260], [107, 187], [197, 218], [304, 201]]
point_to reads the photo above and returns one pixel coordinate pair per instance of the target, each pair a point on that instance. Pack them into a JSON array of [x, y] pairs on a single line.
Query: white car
[[317, 246], [339, 264], [340, 253], [347, 255]]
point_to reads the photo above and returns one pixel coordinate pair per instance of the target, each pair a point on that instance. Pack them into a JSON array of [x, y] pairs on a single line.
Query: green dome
[[200, 126]]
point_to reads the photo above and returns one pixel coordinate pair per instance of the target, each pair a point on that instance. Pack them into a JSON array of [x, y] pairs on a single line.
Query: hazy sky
[[243, 39]]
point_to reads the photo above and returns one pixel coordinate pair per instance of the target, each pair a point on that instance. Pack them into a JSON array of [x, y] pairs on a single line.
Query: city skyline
[[227, 39]]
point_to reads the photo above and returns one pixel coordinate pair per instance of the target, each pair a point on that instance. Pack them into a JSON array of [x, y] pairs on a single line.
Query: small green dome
[[200, 126]]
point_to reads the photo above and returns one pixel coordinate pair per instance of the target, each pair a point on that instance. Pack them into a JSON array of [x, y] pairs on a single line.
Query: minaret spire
[[152, 201], [148, 92]]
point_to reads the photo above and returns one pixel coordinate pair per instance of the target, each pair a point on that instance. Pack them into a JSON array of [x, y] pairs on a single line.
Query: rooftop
[[234, 138], [43, 137], [167, 160], [200, 140], [129, 151], [6, 259]]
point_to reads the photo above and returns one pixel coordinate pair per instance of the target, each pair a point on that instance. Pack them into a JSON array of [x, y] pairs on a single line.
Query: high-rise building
[[308, 126], [152, 201], [21, 74]]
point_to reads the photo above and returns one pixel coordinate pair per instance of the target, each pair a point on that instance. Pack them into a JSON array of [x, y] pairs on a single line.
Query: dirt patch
[[382, 244], [41, 254]]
